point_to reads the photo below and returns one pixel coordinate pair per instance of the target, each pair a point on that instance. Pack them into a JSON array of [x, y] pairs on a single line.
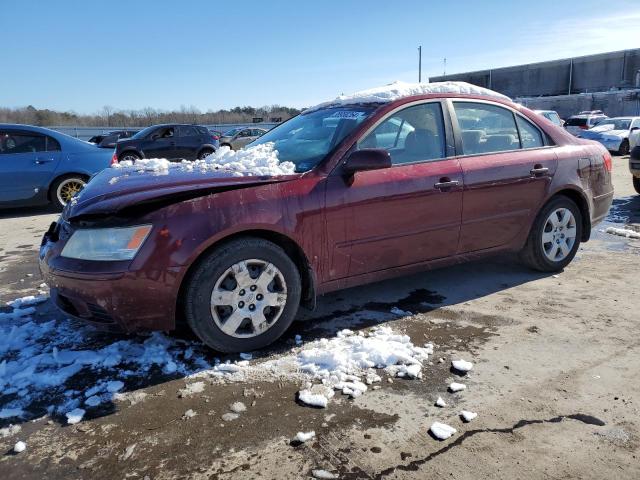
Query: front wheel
[[624, 147], [243, 295], [555, 236]]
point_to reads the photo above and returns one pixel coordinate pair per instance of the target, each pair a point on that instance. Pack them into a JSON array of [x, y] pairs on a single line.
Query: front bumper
[[107, 294]]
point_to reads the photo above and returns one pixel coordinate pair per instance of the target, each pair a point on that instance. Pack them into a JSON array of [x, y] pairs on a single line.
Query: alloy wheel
[[68, 188], [559, 234], [248, 298]]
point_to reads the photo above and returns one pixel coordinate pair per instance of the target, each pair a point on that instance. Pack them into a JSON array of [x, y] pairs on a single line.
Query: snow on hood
[[261, 160], [396, 90], [608, 129]]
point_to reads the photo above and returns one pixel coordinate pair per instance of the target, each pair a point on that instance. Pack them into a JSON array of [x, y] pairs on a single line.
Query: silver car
[[583, 121], [238, 138]]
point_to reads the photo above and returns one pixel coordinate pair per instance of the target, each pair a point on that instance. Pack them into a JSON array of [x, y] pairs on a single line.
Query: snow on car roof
[[396, 90]]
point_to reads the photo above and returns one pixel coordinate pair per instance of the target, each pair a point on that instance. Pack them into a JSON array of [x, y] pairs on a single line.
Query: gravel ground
[[554, 383]]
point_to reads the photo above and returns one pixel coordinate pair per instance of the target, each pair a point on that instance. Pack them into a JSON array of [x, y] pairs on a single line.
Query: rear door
[[507, 164], [188, 142], [28, 161], [402, 215], [161, 143]]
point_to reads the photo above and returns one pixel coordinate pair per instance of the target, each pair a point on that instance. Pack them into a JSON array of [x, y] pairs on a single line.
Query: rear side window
[[21, 142], [186, 131], [415, 134], [53, 145], [576, 122], [530, 136], [493, 128]]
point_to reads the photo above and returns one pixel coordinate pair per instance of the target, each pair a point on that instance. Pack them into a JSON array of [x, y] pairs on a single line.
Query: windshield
[[144, 132], [618, 123], [306, 139], [232, 132]]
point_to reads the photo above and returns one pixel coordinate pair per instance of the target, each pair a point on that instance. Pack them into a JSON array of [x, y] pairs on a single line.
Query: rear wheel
[[624, 147], [64, 188], [555, 236], [636, 184], [243, 295]]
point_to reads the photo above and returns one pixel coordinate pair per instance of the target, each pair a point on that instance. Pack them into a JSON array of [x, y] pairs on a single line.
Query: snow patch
[[19, 447], [467, 416], [189, 414], [323, 475], [440, 403], [396, 90], [462, 365], [10, 430], [623, 232], [442, 431], [259, 160], [457, 387], [302, 437], [238, 407], [191, 389], [75, 416]]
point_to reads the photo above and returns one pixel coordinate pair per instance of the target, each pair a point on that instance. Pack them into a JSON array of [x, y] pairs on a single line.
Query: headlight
[[106, 244]]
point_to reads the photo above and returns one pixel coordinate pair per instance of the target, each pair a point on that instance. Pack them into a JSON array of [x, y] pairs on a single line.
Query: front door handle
[[446, 183], [539, 170]]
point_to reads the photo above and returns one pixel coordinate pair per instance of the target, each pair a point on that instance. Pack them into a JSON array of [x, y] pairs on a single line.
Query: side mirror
[[366, 159], [633, 129]]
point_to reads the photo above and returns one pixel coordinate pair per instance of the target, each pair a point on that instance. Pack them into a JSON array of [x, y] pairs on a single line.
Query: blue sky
[[80, 55]]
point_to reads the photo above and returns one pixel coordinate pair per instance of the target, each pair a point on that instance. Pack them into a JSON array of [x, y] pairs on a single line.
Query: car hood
[[605, 130], [115, 189]]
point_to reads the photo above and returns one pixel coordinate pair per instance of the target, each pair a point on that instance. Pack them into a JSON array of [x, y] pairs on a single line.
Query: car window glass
[[21, 142], [53, 145], [486, 128], [411, 135], [530, 136], [165, 132], [186, 131], [245, 133], [257, 133]]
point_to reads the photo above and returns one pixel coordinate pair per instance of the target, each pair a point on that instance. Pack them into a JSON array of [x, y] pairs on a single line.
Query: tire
[[219, 321], [204, 152], [552, 256], [636, 184], [63, 188], [227, 145], [624, 147], [129, 155]]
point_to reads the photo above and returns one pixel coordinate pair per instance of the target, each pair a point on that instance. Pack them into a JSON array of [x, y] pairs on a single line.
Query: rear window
[[576, 122]]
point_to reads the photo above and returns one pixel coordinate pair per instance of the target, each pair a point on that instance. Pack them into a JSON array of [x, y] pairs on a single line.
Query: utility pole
[[420, 64], [445, 66]]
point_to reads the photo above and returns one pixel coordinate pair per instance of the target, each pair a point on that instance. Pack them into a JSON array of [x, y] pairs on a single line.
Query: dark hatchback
[[379, 190], [170, 141]]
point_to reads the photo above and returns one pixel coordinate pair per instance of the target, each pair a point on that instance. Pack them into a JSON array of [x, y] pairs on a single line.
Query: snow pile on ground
[[19, 447], [396, 90], [462, 365], [467, 416], [457, 387], [348, 362], [75, 415], [623, 232], [260, 160], [442, 431], [302, 437], [440, 403]]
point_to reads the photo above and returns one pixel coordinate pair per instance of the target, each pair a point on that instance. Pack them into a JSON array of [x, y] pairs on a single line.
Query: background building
[[606, 81]]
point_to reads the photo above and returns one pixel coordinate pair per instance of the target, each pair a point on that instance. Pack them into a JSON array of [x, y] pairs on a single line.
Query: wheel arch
[[291, 248], [581, 201]]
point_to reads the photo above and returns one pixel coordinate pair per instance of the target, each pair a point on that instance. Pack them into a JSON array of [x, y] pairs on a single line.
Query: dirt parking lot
[[554, 383]]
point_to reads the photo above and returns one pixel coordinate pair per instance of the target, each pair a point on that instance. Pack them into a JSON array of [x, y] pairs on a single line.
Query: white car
[[551, 115], [576, 124], [634, 138], [614, 133]]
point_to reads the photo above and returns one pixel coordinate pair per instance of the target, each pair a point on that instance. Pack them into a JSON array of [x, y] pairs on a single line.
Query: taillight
[[608, 164], [215, 137], [584, 127], [114, 159]]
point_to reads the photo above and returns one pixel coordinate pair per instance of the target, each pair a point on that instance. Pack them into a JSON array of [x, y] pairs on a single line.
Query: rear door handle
[[539, 170], [40, 161], [445, 183]]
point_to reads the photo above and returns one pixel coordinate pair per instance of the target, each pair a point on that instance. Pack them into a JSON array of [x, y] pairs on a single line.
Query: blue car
[[40, 166]]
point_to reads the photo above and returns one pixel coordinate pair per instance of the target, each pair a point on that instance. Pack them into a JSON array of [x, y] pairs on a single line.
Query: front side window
[[414, 134], [21, 142], [493, 128], [309, 137], [530, 136]]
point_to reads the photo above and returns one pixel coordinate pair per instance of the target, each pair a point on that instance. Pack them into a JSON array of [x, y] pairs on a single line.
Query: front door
[[507, 166], [28, 162], [402, 215]]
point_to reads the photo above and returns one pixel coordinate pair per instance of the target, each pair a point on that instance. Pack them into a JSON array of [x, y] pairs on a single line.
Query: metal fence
[[85, 133]]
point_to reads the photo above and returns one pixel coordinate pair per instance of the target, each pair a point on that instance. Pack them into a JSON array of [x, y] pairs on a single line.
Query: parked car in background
[[216, 133], [171, 141], [634, 139], [634, 167], [614, 133], [238, 138], [236, 255], [40, 166], [114, 136], [583, 121], [552, 116]]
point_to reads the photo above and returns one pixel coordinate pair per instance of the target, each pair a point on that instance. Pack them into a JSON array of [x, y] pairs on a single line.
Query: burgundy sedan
[[380, 189]]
